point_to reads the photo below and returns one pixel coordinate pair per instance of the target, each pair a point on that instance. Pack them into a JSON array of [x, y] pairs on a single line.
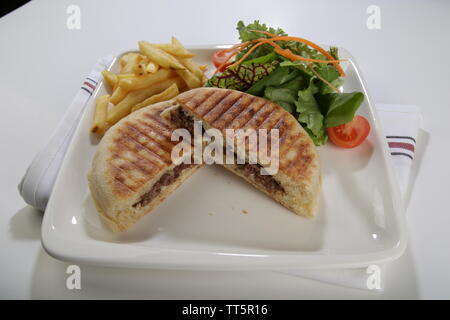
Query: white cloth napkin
[[37, 183], [400, 122]]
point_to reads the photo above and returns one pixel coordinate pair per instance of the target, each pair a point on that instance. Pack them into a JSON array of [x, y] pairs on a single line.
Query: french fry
[[121, 76], [159, 56], [99, 125], [110, 78], [140, 67], [127, 57], [147, 80], [123, 108], [158, 72], [192, 67], [176, 49], [152, 67], [118, 95], [129, 62], [189, 78], [169, 93], [181, 51]]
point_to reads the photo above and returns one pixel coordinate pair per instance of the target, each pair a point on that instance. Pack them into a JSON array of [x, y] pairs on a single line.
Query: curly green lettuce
[[311, 92]]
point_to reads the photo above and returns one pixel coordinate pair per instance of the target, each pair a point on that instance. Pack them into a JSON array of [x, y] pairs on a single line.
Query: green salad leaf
[[311, 92], [340, 108], [309, 114], [247, 32], [278, 78], [243, 76]]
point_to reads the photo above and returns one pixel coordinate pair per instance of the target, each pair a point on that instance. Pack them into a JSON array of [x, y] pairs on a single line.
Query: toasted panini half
[[132, 171], [297, 183]]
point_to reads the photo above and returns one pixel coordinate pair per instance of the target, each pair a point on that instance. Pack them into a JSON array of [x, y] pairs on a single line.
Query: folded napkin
[[38, 181], [400, 122]]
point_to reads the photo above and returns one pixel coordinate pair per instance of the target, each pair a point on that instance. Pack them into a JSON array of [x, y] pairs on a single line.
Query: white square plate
[[216, 221]]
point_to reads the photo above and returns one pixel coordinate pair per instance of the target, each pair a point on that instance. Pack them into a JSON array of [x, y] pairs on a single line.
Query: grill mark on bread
[[302, 158], [135, 151], [121, 178], [220, 107], [161, 128], [159, 121], [145, 144], [165, 148], [259, 116], [279, 124], [267, 123], [235, 124], [211, 102], [228, 116], [121, 188], [156, 131], [197, 100], [164, 160], [284, 131], [236, 104]]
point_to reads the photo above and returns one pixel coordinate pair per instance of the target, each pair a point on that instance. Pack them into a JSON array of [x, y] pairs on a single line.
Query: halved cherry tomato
[[219, 57], [351, 134]]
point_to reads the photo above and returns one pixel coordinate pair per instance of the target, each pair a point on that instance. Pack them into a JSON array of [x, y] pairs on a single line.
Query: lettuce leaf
[[309, 114], [291, 84], [340, 108], [285, 95], [277, 78], [243, 76], [246, 32]]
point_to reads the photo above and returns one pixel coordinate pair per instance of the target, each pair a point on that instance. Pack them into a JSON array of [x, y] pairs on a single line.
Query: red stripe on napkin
[[89, 85], [402, 145]]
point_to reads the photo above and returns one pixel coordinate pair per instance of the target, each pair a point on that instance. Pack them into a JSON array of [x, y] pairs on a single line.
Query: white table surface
[[42, 64]]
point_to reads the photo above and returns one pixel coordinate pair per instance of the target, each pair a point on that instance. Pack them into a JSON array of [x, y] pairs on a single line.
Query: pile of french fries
[[158, 72]]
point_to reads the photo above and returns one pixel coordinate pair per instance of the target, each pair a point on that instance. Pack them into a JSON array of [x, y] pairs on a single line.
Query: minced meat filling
[[249, 170], [267, 181], [183, 120], [165, 180]]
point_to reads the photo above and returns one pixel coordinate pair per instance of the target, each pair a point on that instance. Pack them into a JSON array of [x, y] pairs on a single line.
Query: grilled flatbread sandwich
[[132, 170], [297, 183]]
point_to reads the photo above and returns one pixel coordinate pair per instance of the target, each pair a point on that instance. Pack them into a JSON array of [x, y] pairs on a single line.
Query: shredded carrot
[[285, 53], [315, 46], [235, 50], [247, 53], [307, 42], [219, 68], [238, 46]]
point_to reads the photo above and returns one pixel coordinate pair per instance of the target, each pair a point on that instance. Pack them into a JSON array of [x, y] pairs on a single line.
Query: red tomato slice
[[351, 134], [219, 57]]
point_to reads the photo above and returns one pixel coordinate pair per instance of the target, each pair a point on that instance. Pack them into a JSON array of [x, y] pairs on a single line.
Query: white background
[[43, 63]]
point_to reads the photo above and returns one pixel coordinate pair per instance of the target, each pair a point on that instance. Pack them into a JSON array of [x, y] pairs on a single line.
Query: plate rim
[[204, 260]]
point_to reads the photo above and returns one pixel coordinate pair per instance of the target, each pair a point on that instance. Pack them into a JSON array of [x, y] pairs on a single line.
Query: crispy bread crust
[[299, 167], [130, 158]]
